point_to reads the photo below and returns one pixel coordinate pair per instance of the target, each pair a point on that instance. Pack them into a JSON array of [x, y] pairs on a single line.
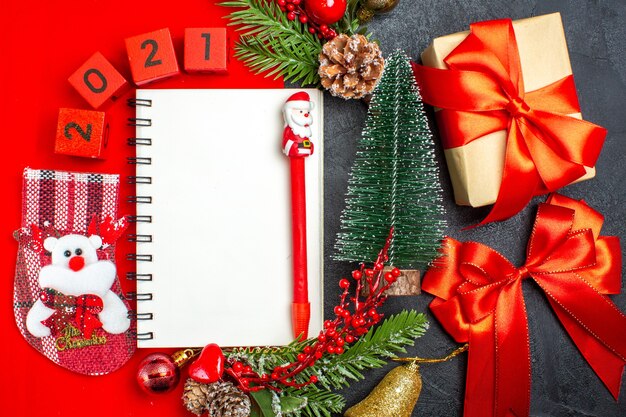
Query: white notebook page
[[221, 218]]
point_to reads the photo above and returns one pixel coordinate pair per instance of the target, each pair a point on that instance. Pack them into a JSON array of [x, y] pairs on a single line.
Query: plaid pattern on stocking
[[65, 203], [81, 311]]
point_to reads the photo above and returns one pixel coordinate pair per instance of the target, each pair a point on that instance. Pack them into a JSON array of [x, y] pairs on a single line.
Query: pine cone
[[220, 399], [226, 400], [350, 66], [195, 396]]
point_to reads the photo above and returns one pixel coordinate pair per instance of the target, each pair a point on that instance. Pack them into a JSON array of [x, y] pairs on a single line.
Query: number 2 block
[[81, 133], [151, 56], [98, 81], [206, 50]]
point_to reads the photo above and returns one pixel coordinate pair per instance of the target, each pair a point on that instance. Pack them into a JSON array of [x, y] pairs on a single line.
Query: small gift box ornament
[[508, 113]]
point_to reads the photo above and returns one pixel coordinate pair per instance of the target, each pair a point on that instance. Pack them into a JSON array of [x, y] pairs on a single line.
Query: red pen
[[297, 145]]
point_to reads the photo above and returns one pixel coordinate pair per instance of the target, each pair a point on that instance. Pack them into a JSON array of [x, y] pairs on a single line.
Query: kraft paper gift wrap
[[476, 168]]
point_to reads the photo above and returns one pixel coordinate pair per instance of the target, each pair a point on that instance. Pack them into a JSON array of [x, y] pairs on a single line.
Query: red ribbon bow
[[483, 92], [479, 300], [81, 311]]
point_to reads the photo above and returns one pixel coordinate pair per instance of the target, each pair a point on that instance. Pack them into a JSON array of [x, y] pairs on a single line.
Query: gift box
[[503, 76]]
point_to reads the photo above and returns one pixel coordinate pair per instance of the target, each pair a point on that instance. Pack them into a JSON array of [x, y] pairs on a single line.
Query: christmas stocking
[[67, 299]]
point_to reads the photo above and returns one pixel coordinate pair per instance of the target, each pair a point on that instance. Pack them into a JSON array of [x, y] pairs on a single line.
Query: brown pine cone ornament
[[350, 66], [195, 396], [219, 399]]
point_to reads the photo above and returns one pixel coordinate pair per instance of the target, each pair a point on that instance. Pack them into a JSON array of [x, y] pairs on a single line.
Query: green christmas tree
[[394, 180]]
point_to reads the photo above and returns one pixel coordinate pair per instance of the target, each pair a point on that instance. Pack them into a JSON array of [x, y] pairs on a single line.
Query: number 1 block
[[81, 133], [206, 50], [151, 56], [98, 81]]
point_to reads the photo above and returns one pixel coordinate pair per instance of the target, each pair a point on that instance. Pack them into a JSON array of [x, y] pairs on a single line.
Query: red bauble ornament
[[157, 373], [325, 11], [209, 366]]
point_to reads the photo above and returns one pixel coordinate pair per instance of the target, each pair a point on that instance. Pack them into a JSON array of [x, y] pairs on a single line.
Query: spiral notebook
[[213, 218]]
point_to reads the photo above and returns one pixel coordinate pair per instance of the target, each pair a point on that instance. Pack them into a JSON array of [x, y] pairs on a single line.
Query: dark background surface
[[563, 385], [42, 44]]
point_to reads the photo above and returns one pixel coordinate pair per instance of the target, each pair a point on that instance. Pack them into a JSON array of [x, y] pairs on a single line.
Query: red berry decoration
[[209, 366], [157, 374], [325, 11], [297, 9], [354, 317]]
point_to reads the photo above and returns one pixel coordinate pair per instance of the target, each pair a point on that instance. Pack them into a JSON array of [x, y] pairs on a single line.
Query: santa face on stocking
[[298, 121], [77, 290]]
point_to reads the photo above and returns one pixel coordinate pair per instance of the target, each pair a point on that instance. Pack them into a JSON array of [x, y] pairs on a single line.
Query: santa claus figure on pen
[[298, 121]]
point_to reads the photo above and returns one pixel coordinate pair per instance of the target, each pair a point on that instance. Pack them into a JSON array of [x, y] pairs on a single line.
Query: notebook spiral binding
[[139, 199]]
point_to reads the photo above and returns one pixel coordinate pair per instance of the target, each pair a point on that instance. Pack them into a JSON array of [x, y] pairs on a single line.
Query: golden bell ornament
[[398, 392], [396, 395], [369, 8]]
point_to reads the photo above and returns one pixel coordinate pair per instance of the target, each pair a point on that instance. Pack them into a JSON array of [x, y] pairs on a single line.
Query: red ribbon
[[479, 300], [81, 311], [483, 92]]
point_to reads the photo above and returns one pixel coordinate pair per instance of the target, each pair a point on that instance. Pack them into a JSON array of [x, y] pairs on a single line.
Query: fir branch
[[337, 371], [385, 341], [319, 402], [276, 58], [264, 359], [272, 43], [350, 23]]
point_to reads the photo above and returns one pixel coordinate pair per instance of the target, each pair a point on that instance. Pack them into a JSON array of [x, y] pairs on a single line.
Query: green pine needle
[[350, 24], [337, 371], [272, 44], [320, 402], [383, 342], [394, 180]]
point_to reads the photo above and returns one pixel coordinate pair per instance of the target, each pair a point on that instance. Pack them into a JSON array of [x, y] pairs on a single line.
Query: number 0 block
[[98, 81], [152, 56], [81, 133], [206, 50]]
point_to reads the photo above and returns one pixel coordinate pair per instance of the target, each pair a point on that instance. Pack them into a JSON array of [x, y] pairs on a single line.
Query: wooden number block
[[151, 56], [81, 133], [98, 81], [206, 50]]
